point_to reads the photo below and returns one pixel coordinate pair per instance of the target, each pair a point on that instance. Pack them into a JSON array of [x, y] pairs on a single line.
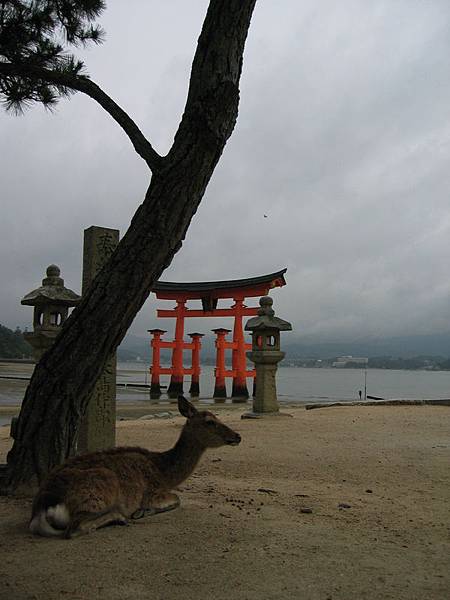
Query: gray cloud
[[343, 141]]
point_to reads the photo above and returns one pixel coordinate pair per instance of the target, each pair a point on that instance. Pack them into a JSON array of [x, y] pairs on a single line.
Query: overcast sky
[[343, 141]]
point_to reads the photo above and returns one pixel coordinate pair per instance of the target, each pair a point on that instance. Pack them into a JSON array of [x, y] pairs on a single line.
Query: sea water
[[294, 384]]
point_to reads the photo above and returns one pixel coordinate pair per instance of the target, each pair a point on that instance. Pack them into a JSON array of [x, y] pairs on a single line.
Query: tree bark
[[58, 391]]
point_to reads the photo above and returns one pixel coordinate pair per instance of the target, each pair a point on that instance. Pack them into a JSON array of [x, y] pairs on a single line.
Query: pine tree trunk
[[59, 389]]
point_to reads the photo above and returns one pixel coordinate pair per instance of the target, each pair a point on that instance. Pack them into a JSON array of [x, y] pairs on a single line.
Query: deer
[[119, 485]]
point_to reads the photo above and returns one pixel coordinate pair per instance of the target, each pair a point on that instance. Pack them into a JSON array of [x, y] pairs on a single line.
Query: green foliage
[[34, 35], [12, 344], [409, 364]]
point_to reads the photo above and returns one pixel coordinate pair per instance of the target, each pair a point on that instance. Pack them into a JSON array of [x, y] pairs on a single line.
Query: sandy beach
[[376, 481]]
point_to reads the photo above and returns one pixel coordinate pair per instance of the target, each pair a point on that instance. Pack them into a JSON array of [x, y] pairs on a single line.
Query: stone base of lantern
[[265, 403]]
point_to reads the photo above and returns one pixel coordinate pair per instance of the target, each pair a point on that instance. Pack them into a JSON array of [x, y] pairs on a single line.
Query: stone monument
[[98, 428], [266, 355]]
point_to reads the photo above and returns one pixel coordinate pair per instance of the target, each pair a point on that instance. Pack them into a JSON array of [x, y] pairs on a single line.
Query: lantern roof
[[52, 291], [266, 318]]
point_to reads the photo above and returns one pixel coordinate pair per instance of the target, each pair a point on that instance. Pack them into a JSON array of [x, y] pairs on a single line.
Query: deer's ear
[[185, 407]]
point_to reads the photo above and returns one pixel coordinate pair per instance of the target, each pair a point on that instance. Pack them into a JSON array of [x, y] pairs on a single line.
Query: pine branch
[[65, 82]]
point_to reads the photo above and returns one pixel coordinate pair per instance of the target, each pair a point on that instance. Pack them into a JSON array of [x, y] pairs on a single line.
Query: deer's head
[[207, 429]]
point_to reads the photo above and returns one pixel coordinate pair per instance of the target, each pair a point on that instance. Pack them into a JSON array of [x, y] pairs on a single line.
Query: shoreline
[[126, 410]]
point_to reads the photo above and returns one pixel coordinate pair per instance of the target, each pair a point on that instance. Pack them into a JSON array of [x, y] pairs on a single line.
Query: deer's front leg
[[164, 501], [157, 503]]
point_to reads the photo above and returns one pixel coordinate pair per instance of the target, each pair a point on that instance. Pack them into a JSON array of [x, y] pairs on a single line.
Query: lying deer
[[112, 486]]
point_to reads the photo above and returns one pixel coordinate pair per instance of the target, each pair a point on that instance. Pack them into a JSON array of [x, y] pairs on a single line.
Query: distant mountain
[[12, 344], [134, 347], [295, 347], [400, 347]]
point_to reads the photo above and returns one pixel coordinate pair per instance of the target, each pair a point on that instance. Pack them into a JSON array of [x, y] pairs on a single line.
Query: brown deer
[[112, 486]]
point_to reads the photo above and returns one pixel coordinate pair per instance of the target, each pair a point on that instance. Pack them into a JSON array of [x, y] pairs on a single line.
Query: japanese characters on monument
[[98, 428]]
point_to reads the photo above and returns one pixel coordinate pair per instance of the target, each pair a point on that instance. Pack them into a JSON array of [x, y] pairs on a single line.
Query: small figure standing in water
[[360, 394]]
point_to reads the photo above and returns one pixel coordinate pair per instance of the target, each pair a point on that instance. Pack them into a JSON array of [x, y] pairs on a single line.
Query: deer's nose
[[235, 440]]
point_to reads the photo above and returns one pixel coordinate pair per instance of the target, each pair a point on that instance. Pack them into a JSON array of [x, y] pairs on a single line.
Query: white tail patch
[[58, 516], [51, 522]]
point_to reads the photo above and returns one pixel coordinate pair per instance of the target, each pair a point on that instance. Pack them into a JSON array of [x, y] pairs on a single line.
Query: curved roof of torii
[[272, 280]]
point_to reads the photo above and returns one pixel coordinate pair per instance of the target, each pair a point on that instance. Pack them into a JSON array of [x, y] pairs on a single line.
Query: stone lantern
[[51, 308], [266, 355]]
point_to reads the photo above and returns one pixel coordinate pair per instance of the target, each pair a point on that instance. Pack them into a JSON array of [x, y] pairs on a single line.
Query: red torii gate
[[209, 292]]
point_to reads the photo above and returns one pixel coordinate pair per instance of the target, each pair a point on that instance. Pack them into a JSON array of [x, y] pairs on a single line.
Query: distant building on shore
[[347, 361]]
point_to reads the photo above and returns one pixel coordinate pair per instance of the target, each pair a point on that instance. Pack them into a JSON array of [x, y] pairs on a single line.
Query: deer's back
[[125, 462]]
